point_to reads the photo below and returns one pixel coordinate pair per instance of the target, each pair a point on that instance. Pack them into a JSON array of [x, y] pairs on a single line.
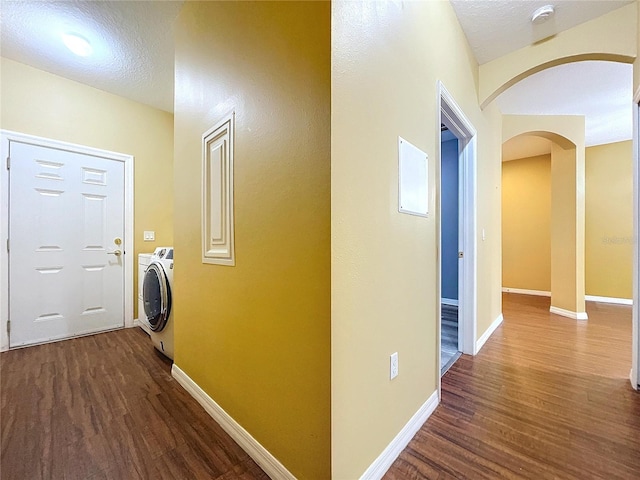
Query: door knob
[[117, 253]]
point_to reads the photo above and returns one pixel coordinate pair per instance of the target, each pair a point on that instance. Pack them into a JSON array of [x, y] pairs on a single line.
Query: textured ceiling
[[132, 41], [134, 54], [601, 91], [497, 27]]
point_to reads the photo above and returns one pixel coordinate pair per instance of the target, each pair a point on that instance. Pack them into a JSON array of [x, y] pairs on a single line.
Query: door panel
[[65, 211]]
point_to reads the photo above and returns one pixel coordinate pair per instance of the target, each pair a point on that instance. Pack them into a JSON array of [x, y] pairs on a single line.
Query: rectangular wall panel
[[217, 194]]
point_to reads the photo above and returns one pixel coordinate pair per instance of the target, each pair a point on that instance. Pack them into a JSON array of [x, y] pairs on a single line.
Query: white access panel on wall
[[413, 179]]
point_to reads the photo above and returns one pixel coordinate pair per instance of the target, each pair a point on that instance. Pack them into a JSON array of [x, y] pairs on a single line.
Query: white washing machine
[[156, 295]]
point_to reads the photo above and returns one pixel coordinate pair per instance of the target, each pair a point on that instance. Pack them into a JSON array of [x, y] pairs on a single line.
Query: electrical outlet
[[149, 236], [394, 366]]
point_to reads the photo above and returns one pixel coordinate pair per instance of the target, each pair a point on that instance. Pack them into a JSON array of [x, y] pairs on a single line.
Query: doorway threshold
[[449, 363]]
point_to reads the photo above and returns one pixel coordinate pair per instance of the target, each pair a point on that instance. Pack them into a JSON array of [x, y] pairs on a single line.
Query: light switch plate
[[149, 236], [393, 373]]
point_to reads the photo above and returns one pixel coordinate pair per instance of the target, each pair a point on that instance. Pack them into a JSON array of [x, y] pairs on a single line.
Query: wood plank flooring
[[106, 407], [449, 337], [547, 398]]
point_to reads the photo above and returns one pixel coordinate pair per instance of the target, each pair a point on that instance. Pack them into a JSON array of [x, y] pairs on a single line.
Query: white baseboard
[[381, 464], [254, 449], [569, 313], [617, 301], [143, 325], [523, 291], [485, 336], [449, 301]]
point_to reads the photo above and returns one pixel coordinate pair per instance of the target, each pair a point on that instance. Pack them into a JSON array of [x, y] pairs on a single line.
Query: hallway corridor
[[547, 397]]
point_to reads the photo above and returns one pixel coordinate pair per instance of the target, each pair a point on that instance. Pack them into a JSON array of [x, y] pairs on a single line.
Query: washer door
[[156, 297]]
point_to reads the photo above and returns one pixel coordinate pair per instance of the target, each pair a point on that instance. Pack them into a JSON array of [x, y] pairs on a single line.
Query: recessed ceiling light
[[542, 14], [77, 44]]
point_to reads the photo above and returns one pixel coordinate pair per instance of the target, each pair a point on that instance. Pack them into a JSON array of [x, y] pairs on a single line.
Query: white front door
[[66, 228]]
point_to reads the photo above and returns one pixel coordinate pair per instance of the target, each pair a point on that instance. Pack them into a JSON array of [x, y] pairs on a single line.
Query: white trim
[[381, 464], [459, 124], [635, 331], [568, 313], [7, 136], [617, 301], [270, 464], [485, 336], [449, 301], [524, 291], [142, 324], [131, 260], [454, 118]]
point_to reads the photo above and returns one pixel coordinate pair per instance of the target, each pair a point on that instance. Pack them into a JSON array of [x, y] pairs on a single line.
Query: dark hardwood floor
[[106, 407], [546, 398]]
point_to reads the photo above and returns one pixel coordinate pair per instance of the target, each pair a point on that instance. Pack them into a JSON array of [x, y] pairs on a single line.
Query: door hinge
[[7, 245], [8, 326], [8, 163]]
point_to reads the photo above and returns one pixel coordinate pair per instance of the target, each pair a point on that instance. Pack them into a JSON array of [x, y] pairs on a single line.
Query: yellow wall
[[567, 200], [567, 228], [609, 220], [526, 223], [256, 336], [39, 103], [386, 60]]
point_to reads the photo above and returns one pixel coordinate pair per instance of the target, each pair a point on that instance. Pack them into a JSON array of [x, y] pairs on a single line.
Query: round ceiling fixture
[[77, 44], [542, 14]]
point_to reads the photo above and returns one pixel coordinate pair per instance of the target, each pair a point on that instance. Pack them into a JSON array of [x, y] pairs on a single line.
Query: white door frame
[[634, 376], [453, 117], [7, 136]]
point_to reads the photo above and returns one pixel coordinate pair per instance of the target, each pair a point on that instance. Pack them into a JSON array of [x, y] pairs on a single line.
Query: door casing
[[453, 117], [6, 137], [634, 375]]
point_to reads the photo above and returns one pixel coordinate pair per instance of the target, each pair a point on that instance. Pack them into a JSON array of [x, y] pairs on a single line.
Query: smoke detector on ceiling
[[543, 14]]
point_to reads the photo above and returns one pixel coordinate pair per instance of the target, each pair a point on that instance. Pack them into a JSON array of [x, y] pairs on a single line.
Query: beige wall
[[567, 228], [609, 220], [39, 103], [256, 336], [567, 200], [526, 223], [386, 62]]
